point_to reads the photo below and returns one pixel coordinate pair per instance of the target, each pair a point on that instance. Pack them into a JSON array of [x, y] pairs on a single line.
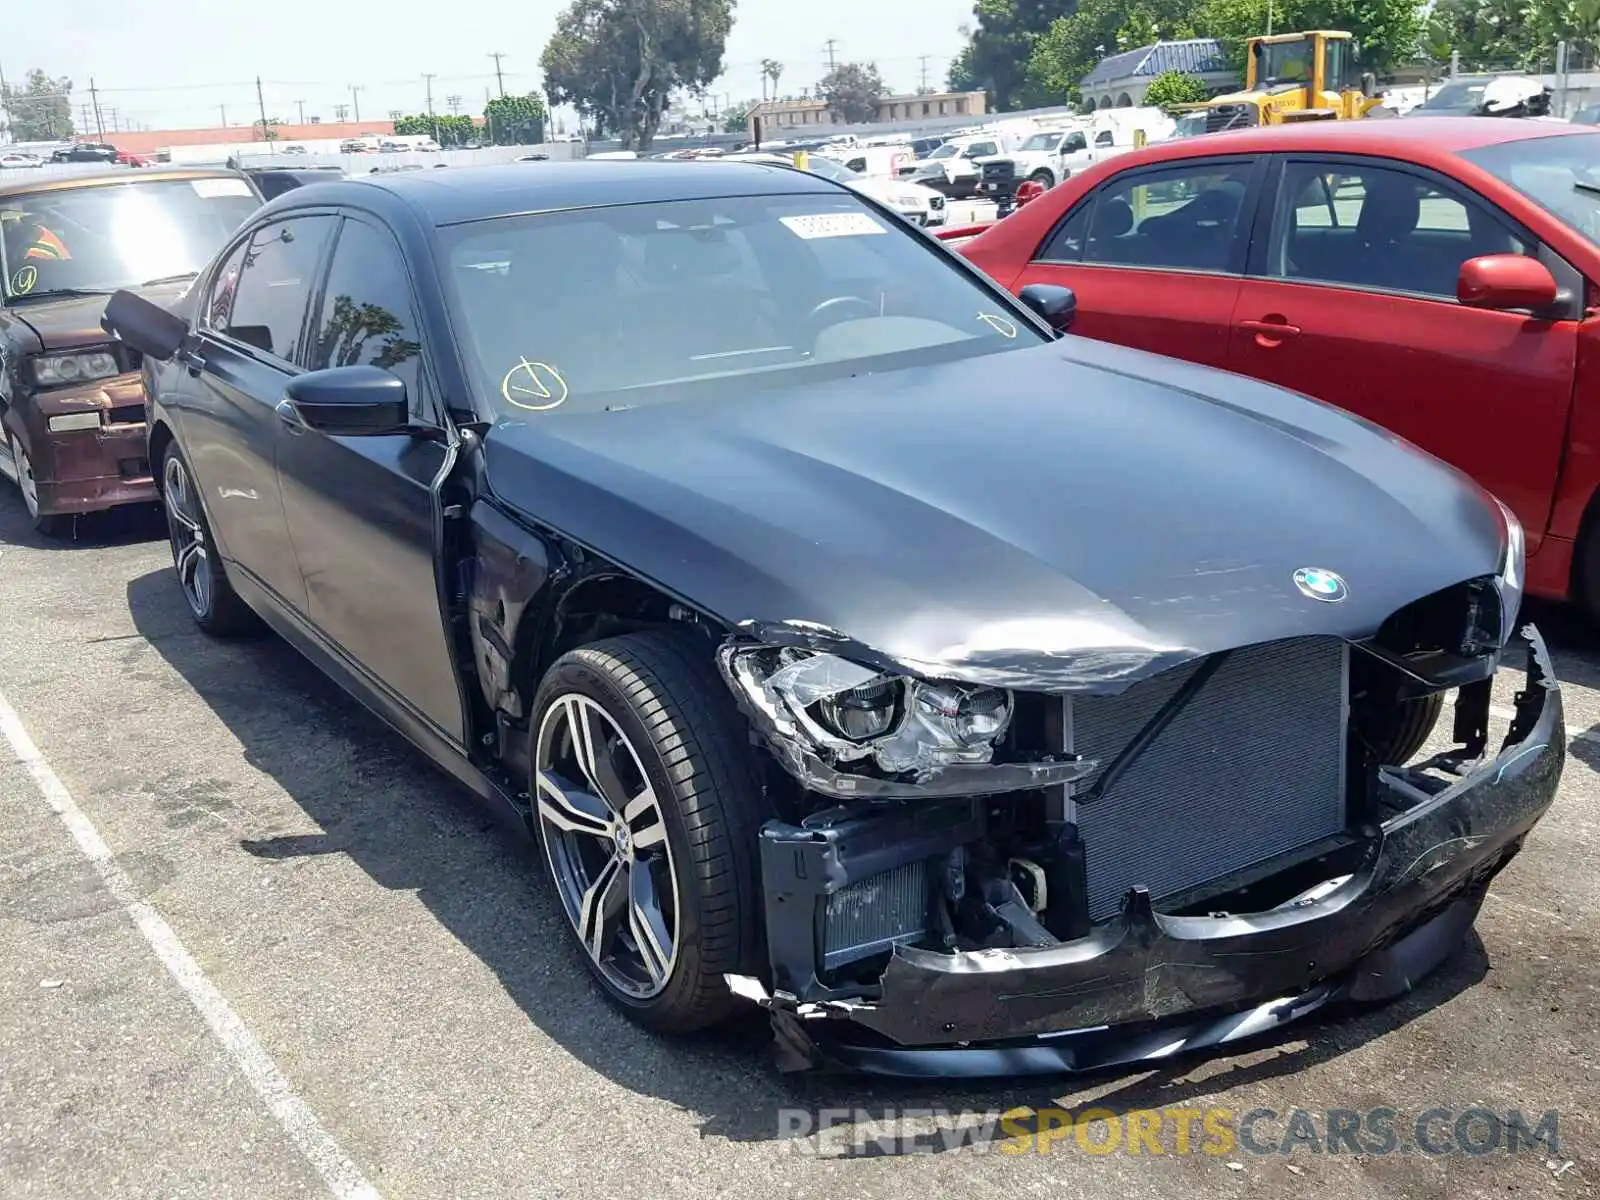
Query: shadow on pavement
[[91, 531], [410, 828]]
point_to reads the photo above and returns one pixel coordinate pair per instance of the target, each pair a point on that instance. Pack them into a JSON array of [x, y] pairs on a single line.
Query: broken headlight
[[1512, 575], [847, 713]]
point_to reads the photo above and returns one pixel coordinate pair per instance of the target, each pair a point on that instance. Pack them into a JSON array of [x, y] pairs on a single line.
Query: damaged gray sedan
[[975, 698]]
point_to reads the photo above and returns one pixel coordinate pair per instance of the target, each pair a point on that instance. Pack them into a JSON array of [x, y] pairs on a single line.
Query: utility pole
[[222, 111], [262, 104], [498, 73], [925, 58], [301, 105], [455, 104], [832, 62], [5, 102], [94, 98], [428, 78], [341, 113], [355, 99]]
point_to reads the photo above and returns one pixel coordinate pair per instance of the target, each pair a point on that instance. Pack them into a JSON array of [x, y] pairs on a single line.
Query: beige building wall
[[778, 116]]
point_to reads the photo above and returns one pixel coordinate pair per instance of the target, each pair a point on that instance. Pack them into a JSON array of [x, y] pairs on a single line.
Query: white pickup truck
[[1051, 156]]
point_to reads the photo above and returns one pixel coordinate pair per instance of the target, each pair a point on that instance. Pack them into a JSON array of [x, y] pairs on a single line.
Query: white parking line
[[343, 1178]]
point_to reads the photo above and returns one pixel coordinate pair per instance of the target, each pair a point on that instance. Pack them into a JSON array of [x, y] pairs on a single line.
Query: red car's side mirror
[[1505, 281]]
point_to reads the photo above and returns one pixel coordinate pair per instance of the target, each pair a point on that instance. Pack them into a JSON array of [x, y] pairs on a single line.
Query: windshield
[[1042, 141], [101, 238], [1558, 173], [745, 292], [1283, 62], [829, 169], [1458, 96], [948, 150]]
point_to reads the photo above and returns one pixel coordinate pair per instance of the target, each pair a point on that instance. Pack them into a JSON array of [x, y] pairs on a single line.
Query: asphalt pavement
[[252, 945]]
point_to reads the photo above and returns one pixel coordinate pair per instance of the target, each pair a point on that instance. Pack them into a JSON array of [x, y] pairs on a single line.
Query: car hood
[[1071, 516], [74, 321]]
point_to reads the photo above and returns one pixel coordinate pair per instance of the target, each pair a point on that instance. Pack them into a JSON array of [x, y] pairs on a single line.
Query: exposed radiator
[[873, 913], [1254, 767]]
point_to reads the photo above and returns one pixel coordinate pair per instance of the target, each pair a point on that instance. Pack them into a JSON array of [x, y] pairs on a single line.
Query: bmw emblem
[[1320, 585]]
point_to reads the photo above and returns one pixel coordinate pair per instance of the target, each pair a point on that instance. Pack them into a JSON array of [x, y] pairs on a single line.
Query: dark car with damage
[[72, 411], [975, 697]]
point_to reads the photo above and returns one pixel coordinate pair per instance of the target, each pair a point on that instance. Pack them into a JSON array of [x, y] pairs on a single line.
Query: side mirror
[[1057, 305], [150, 329], [348, 402], [1506, 281]]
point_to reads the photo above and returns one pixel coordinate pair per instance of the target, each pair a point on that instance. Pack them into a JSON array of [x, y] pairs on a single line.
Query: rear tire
[[202, 578], [1044, 177], [662, 817]]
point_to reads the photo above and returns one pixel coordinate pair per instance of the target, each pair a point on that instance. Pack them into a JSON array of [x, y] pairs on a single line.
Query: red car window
[[1379, 227]]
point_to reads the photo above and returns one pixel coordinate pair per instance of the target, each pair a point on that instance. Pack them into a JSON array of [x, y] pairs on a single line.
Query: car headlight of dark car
[[1512, 576], [61, 370], [849, 713]]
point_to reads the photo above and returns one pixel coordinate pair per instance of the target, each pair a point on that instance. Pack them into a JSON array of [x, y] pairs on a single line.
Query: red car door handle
[[1270, 331]]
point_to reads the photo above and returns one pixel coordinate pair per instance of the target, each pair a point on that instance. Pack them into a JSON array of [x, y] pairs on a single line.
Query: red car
[[1439, 277]]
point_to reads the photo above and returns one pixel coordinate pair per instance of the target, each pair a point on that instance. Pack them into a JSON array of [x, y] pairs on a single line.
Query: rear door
[[251, 329], [1156, 255], [363, 512], [1351, 299]]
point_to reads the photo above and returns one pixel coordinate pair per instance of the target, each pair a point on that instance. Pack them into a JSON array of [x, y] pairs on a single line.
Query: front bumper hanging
[[1146, 985]]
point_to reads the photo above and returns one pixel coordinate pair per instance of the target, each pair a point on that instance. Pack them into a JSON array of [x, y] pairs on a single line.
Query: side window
[[260, 296], [1065, 243], [857, 164], [368, 317], [1182, 218], [1381, 228], [1075, 141], [979, 149], [1104, 138]]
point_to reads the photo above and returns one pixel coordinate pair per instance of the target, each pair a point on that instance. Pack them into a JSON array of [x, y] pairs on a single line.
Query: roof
[[464, 194], [1405, 137], [108, 176], [1191, 56]]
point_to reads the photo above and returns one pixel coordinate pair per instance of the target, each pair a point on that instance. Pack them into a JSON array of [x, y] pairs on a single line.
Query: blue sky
[[182, 62]]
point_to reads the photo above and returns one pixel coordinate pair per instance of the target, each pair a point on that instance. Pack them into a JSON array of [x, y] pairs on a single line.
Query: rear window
[[611, 307], [98, 239], [1560, 173]]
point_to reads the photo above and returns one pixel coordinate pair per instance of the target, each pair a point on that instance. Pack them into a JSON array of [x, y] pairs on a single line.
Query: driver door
[[364, 512]]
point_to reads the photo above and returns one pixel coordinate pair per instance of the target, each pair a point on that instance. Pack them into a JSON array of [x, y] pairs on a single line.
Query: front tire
[[647, 801], [1041, 176], [50, 525], [212, 602]]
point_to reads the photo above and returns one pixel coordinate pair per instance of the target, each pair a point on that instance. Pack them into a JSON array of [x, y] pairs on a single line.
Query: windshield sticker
[[534, 386], [827, 225], [22, 282], [210, 189], [999, 324]]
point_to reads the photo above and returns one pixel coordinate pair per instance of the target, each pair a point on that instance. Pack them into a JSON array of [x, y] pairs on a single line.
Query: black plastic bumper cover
[[1147, 985]]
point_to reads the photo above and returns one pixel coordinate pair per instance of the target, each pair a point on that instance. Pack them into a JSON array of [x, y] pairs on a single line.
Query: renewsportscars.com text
[[1433, 1132]]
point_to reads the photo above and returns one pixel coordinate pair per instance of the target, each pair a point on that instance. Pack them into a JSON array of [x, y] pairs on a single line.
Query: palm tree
[[771, 70]]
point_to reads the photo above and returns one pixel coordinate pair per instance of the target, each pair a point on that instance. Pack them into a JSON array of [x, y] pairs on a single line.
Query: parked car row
[[854, 642]]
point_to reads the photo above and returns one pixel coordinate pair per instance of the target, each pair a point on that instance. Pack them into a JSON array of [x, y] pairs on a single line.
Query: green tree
[[41, 109], [265, 129], [852, 91], [1073, 45], [771, 72], [1174, 87], [997, 55], [737, 118], [1389, 31], [1516, 34], [962, 78], [620, 61], [516, 120]]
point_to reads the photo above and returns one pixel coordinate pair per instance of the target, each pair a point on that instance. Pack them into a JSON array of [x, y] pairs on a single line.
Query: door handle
[[291, 419], [1269, 333]]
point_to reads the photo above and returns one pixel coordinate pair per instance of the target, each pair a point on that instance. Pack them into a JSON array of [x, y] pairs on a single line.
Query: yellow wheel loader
[[1310, 76]]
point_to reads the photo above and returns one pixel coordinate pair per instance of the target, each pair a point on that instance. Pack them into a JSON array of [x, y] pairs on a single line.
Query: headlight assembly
[[849, 729], [1512, 576], [60, 370]]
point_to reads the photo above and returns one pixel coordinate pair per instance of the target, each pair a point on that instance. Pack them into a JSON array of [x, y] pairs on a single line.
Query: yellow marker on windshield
[[534, 386], [24, 280]]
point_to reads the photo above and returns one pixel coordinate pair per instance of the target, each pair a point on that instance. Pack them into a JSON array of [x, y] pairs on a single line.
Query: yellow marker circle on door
[[534, 386], [23, 281]]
